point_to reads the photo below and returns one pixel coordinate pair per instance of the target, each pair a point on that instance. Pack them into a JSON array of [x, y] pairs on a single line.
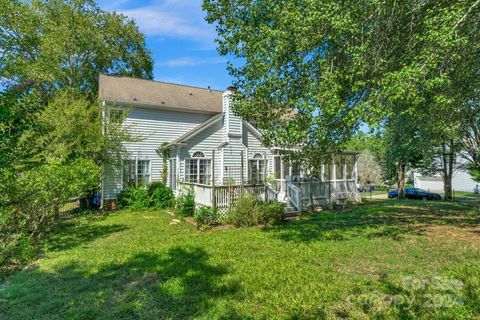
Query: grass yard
[[389, 260]]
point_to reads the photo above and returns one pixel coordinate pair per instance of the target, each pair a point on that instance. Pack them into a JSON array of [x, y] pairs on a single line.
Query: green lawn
[[386, 260]]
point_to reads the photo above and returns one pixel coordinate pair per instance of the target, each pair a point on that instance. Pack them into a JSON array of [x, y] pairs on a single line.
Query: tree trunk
[[447, 172], [401, 181]]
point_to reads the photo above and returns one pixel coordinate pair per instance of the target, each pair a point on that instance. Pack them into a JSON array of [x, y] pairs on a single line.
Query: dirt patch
[[451, 233]]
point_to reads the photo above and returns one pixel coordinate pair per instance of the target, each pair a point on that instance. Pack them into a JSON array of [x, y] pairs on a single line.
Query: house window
[[257, 169], [198, 169], [136, 173], [115, 116]]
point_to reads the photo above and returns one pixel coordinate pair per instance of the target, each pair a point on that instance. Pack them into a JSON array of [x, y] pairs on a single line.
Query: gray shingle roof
[[161, 94]]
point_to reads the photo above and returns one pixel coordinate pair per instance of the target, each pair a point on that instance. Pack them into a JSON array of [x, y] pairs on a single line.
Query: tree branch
[[462, 20]]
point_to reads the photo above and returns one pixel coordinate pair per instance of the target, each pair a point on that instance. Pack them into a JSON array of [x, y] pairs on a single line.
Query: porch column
[[355, 169], [282, 176], [334, 173], [213, 195]]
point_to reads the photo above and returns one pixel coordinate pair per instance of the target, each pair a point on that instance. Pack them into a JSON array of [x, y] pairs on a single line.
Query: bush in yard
[[206, 216], [134, 199], [161, 196], [244, 212], [270, 213], [123, 198], [249, 211], [185, 204]]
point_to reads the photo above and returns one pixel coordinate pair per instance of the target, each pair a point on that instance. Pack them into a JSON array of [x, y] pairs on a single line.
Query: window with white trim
[[256, 169], [136, 173], [198, 169], [115, 115]]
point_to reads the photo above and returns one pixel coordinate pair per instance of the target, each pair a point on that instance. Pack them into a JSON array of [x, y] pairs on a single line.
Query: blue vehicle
[[416, 194]]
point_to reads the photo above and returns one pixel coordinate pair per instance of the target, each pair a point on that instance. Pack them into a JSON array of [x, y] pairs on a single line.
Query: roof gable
[[190, 134]]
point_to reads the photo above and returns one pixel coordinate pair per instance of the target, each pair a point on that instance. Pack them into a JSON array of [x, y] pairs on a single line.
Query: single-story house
[[461, 181], [211, 149]]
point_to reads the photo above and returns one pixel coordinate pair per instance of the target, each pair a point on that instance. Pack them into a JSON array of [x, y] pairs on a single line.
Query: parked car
[[415, 193]]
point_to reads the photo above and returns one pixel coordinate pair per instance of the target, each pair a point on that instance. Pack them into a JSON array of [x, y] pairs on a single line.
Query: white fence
[[225, 197], [321, 193]]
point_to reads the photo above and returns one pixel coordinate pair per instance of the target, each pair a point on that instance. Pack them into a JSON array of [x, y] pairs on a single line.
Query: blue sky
[[182, 43]]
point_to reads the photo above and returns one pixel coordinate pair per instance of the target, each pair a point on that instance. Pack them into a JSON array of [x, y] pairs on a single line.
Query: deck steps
[[290, 209]]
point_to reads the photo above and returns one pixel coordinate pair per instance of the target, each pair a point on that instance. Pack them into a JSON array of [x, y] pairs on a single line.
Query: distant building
[[461, 181]]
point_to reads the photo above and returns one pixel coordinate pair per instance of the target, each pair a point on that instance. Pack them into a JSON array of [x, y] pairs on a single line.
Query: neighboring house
[[461, 181], [211, 149]]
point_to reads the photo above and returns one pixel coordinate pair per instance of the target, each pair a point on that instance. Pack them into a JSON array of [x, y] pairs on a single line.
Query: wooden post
[[214, 200], [241, 173]]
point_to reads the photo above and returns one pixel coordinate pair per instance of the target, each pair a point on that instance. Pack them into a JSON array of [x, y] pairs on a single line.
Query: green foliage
[[185, 203], [249, 211], [66, 44], [244, 213], [161, 196], [206, 216], [156, 195], [32, 203], [125, 258], [325, 67], [134, 199], [51, 138], [270, 213], [474, 172]]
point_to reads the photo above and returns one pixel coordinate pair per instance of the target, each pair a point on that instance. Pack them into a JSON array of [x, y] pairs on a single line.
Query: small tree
[[164, 152]]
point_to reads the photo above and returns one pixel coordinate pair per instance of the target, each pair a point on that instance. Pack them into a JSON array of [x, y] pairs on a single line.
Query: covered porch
[[280, 180]]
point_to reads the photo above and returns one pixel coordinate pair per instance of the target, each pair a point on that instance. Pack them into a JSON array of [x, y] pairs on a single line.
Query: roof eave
[[156, 106]]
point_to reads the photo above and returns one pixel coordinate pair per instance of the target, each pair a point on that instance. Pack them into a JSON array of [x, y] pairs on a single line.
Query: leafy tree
[[403, 149], [368, 167], [51, 135], [471, 134], [312, 71], [66, 44]]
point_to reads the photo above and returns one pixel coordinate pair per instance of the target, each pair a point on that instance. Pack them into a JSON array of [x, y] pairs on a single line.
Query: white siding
[[205, 141], [254, 146], [461, 181], [154, 127], [233, 124], [232, 156], [112, 181]]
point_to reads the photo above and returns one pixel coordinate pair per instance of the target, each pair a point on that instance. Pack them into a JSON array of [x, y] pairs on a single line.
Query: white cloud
[[192, 61], [170, 18]]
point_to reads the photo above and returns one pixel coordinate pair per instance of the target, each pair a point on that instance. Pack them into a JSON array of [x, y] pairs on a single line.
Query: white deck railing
[[296, 192], [224, 196]]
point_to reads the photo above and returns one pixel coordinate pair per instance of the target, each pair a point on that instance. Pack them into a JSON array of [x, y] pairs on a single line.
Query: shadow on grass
[[71, 233], [386, 219], [180, 284]]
